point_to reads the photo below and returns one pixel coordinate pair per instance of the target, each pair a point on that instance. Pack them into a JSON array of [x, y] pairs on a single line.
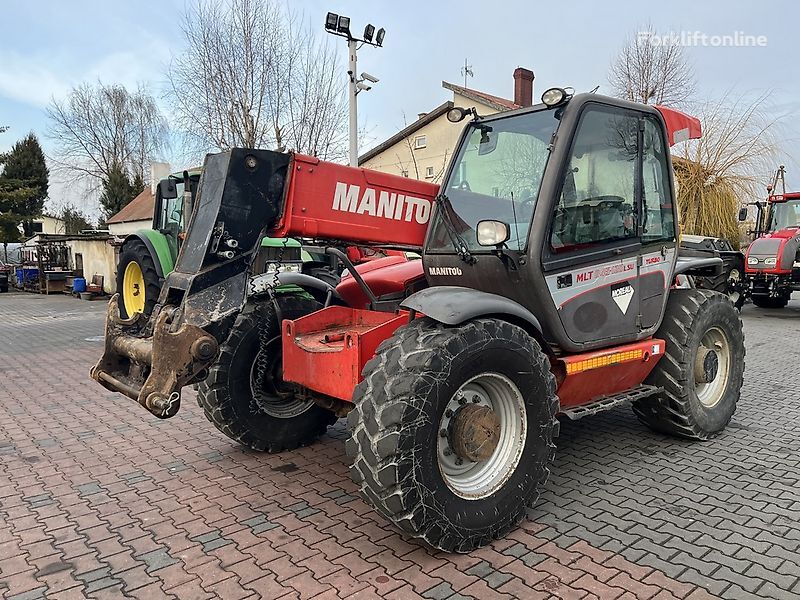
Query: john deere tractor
[[148, 255]]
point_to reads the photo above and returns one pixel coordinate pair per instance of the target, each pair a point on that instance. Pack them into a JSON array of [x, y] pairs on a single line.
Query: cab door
[[593, 253], [657, 225]]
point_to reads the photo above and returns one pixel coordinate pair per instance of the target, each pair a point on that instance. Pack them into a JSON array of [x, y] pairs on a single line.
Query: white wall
[[442, 136], [98, 258], [123, 229]]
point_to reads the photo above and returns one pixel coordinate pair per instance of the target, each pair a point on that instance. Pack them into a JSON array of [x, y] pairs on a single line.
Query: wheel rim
[[133, 288], [710, 390], [272, 395], [734, 281], [475, 479]]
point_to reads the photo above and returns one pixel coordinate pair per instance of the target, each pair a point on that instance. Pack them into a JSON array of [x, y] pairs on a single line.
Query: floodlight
[[344, 25], [331, 21], [379, 36], [369, 31]]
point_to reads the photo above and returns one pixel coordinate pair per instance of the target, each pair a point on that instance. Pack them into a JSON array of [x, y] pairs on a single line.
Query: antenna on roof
[[466, 70]]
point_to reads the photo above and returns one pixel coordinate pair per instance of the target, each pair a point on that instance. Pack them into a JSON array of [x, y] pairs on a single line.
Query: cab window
[[598, 197], [657, 211], [171, 217]]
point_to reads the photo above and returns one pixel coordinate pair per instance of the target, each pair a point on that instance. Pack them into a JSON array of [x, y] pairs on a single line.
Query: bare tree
[[652, 69], [99, 126], [253, 76], [726, 167]]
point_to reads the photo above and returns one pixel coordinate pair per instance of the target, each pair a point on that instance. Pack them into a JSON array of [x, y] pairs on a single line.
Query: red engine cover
[[383, 276]]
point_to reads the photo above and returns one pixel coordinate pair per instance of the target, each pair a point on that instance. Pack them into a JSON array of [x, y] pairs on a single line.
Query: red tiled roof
[[139, 209], [495, 101]]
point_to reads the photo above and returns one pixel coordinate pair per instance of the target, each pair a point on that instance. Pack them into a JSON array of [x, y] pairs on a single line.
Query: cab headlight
[[771, 262], [752, 260]]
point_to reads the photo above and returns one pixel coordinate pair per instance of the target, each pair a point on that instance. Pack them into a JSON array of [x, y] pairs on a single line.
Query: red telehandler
[[546, 287]]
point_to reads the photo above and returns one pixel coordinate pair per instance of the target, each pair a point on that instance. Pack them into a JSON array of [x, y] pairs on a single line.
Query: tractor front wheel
[[767, 301], [245, 396], [451, 436], [138, 283], [702, 369]]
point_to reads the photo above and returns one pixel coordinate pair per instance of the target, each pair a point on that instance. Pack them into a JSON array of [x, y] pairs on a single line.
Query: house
[[79, 255], [48, 224], [423, 149], [137, 214]]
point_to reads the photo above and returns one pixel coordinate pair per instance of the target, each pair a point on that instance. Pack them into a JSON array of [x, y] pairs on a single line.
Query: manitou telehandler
[[547, 286]]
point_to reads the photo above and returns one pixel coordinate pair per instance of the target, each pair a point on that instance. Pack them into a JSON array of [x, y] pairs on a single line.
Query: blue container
[[27, 274], [78, 285]]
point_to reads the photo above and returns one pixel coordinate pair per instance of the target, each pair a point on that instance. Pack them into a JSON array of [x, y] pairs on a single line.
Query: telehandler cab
[[547, 286]]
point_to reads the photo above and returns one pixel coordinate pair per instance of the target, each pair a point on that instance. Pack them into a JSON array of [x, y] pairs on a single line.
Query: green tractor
[[147, 256]]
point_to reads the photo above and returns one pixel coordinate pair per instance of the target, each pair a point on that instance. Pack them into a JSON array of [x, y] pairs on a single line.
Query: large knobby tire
[[273, 418], [702, 369], [400, 431], [137, 275], [730, 281], [765, 301]]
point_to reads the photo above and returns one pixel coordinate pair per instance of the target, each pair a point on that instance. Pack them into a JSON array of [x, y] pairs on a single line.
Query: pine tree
[[24, 182], [118, 190]]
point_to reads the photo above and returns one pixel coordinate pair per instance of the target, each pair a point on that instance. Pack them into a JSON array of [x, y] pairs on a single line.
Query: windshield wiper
[[458, 241]]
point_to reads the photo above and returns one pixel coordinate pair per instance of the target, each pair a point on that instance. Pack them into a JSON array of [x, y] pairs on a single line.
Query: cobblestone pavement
[[99, 499]]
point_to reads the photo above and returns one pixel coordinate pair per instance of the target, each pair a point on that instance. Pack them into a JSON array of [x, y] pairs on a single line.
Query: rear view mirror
[[492, 233], [488, 141], [743, 213], [167, 189]]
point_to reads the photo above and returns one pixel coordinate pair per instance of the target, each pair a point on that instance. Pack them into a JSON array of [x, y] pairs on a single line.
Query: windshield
[[496, 175], [784, 215], [171, 217]]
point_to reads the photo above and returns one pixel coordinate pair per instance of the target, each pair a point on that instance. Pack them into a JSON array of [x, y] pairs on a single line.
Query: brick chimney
[[523, 86]]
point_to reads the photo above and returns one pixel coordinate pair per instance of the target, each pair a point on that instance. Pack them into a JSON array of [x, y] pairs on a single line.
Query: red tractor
[[547, 286], [773, 258]]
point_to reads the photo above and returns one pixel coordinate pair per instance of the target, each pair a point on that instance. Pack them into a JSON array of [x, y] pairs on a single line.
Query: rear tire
[[729, 282], [134, 251], [700, 394], [401, 430], [272, 419]]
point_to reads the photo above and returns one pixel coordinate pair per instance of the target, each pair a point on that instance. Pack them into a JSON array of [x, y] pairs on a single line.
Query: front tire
[[452, 432], [138, 283], [266, 415], [766, 301], [702, 370]]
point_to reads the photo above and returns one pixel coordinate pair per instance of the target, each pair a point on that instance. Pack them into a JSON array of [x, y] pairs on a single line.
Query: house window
[[421, 141], [429, 172], [404, 173]]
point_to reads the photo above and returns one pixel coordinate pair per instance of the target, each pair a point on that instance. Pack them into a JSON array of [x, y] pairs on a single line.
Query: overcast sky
[[49, 46]]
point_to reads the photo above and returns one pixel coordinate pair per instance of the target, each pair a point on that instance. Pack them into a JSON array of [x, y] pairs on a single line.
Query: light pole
[[339, 25]]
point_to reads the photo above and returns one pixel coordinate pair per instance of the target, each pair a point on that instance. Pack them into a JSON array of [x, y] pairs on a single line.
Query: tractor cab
[[566, 208], [783, 212], [173, 205]]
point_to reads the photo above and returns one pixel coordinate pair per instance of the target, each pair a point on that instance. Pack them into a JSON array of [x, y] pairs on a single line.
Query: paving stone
[[86, 508]]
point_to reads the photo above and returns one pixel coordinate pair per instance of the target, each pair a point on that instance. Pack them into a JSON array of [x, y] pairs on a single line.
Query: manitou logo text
[[445, 271], [389, 205]]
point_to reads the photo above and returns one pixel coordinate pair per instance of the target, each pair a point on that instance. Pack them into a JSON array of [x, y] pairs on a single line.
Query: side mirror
[[743, 214], [167, 188], [488, 142], [493, 233]]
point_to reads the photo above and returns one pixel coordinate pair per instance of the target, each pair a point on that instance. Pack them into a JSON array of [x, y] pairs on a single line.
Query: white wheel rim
[[735, 278], [475, 480], [711, 393]]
